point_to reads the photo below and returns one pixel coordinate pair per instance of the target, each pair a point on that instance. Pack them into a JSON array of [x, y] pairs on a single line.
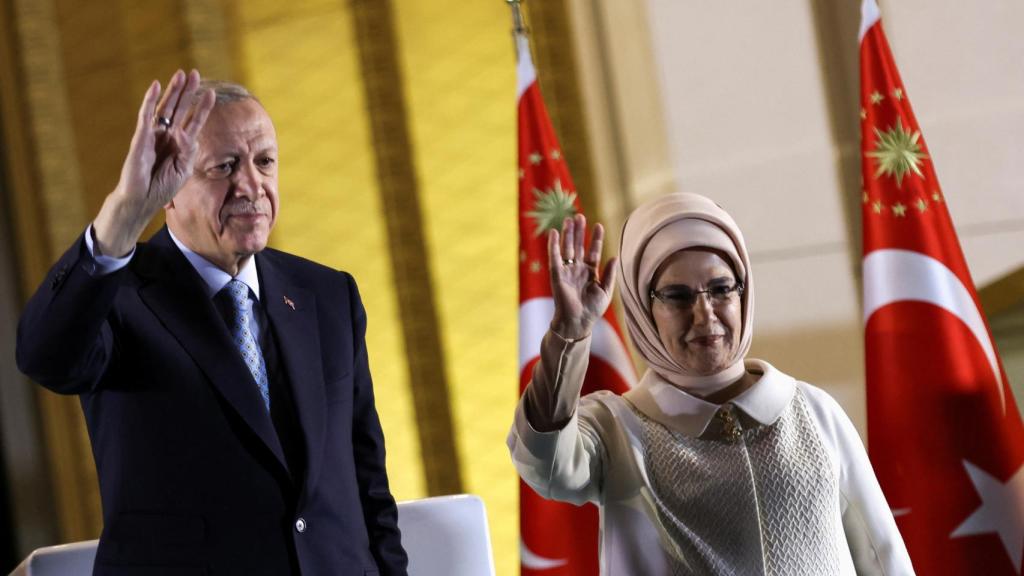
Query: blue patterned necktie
[[245, 341]]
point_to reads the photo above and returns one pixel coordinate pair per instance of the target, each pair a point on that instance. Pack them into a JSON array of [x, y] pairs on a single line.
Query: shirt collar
[[676, 409], [214, 279]]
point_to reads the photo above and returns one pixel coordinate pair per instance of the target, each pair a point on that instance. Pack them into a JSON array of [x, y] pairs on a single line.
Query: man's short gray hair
[[227, 92]]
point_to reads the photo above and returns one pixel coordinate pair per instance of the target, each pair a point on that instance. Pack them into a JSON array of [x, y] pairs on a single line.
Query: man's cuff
[[103, 265]]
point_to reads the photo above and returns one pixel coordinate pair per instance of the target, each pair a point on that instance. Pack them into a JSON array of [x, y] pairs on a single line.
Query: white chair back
[[65, 560], [444, 536]]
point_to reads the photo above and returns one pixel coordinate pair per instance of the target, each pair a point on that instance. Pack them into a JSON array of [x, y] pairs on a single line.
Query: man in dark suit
[[225, 385]]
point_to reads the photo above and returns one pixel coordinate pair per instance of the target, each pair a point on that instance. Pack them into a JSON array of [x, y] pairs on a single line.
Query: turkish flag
[[944, 433], [557, 539]]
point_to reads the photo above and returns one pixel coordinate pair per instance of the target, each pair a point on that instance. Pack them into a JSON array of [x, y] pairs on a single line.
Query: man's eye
[[266, 162], [223, 168]]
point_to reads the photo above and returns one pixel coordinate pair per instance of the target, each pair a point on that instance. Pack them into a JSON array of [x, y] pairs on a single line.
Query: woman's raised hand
[[581, 291]]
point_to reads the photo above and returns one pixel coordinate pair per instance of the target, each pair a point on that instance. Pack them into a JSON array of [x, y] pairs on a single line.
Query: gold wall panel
[[47, 123], [107, 75], [399, 190], [459, 77], [301, 61]]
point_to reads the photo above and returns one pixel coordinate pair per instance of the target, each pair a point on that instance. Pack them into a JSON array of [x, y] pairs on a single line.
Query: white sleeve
[[875, 542], [565, 463], [104, 264]]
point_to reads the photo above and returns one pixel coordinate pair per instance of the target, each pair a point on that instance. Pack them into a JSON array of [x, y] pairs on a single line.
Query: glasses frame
[[737, 287]]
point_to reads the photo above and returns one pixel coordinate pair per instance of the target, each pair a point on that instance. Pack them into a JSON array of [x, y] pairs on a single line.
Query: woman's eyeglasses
[[683, 297]]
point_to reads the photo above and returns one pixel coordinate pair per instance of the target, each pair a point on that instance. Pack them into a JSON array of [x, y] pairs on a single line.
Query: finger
[[568, 239], [554, 254], [184, 103], [580, 235], [143, 136], [608, 275], [144, 124], [596, 243], [200, 112], [165, 109], [148, 107]]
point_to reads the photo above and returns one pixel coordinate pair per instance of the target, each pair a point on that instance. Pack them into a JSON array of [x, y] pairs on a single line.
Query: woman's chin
[[704, 361]]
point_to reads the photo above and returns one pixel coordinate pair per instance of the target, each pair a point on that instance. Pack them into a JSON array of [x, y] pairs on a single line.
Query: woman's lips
[[709, 340]]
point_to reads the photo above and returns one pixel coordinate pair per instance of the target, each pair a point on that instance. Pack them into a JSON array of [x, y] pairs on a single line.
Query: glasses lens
[[679, 297], [722, 292]]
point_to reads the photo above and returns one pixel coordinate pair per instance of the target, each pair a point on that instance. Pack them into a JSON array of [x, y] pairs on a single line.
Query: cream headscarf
[[652, 233]]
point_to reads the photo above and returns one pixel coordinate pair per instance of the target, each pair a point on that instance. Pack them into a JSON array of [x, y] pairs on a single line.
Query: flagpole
[[518, 24], [519, 29]]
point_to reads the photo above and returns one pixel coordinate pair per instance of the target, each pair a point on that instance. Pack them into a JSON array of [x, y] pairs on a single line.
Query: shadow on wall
[[1008, 332], [829, 357]]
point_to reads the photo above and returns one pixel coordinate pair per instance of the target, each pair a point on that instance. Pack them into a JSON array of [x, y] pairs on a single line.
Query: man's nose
[[248, 181]]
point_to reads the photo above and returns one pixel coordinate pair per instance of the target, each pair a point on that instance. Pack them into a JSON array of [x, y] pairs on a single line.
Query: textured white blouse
[[774, 482]]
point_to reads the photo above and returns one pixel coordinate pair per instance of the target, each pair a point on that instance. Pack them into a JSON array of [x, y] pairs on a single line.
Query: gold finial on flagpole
[[518, 24]]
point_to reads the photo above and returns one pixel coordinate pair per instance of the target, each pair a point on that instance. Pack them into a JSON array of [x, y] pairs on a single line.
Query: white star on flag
[[1001, 511]]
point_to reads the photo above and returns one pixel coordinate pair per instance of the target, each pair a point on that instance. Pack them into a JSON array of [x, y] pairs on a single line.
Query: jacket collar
[[689, 415], [176, 294]]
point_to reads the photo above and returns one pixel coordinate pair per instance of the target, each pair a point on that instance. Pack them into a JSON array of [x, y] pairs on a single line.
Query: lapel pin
[[289, 302]]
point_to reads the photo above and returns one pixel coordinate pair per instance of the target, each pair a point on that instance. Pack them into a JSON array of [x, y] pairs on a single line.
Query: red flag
[[557, 539], [944, 433]]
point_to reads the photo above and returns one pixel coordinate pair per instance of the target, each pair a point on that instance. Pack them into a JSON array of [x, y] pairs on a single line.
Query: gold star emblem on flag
[[551, 207], [898, 152]]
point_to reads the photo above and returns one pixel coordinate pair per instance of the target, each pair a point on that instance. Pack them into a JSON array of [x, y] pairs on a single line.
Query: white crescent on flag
[[892, 275], [535, 562]]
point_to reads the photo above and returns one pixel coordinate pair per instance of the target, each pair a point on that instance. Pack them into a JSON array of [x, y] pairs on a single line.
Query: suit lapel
[[175, 295], [293, 314]]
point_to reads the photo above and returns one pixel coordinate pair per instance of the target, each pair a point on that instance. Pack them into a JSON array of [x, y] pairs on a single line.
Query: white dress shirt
[[214, 279]]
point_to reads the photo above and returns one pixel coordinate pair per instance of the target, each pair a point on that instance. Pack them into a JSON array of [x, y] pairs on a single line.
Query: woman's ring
[[568, 261], [163, 121]]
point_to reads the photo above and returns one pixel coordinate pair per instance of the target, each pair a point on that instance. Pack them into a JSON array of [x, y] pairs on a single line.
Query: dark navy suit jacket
[[193, 476]]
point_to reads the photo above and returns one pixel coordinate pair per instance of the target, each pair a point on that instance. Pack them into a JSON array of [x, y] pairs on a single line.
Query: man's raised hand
[[160, 160]]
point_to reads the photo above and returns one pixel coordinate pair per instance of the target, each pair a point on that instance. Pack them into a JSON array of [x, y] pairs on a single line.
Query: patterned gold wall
[[459, 71], [301, 61]]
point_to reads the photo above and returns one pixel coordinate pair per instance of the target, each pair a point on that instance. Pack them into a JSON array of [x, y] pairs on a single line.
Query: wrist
[[118, 226], [569, 331]]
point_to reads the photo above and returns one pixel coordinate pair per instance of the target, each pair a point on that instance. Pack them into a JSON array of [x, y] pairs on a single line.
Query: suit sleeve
[[65, 341], [379, 509]]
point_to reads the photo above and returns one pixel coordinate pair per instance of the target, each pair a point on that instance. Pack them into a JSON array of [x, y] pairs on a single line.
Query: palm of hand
[[580, 293], [162, 155], [174, 157], [164, 161]]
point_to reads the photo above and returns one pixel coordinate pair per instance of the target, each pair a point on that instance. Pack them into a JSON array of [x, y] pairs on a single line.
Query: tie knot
[[238, 292]]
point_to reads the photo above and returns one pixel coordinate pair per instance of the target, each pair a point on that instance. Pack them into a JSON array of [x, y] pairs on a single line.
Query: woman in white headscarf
[[715, 463]]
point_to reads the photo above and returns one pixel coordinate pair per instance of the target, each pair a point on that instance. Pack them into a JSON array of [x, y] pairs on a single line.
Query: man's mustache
[[243, 207]]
